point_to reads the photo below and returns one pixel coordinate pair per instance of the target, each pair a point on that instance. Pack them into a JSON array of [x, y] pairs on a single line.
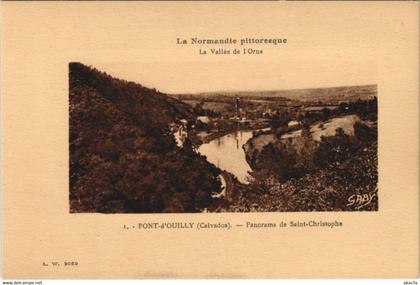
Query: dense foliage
[[339, 173], [123, 157], [342, 176], [347, 186]]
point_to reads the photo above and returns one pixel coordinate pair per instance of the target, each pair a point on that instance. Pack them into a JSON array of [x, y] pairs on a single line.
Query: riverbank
[[300, 173], [199, 137], [317, 129], [226, 153], [347, 186]]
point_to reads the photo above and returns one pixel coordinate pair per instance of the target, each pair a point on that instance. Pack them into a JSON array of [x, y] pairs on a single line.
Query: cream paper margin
[[39, 39]]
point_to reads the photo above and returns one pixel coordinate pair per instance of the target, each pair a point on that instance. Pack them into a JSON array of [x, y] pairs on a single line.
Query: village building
[[292, 124], [203, 119]]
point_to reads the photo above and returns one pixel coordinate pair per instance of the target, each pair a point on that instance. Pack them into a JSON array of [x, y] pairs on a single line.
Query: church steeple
[[237, 106]]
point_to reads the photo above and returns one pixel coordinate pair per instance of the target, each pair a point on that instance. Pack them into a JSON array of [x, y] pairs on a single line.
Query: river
[[227, 153]]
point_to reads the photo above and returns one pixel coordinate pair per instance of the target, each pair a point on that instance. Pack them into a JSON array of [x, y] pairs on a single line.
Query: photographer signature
[[361, 200]]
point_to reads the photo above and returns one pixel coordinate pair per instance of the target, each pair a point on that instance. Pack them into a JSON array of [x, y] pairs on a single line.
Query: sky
[[241, 75]]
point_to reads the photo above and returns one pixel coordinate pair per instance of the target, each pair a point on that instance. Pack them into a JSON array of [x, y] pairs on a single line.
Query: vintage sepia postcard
[[159, 139]]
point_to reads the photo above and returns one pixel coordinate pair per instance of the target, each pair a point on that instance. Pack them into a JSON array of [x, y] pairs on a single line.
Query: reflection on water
[[226, 153]]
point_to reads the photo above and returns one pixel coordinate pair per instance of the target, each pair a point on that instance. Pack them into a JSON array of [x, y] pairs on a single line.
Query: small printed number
[[71, 263]]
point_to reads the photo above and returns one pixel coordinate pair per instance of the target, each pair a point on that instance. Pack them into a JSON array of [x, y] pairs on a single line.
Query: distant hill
[[123, 157], [330, 94]]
